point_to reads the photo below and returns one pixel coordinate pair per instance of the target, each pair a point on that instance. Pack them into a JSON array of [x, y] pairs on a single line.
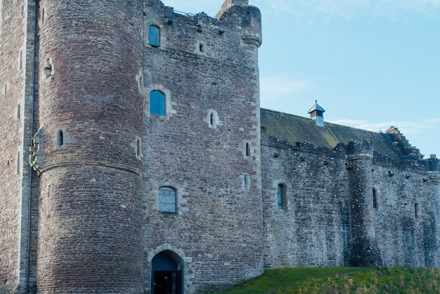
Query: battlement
[[237, 29]]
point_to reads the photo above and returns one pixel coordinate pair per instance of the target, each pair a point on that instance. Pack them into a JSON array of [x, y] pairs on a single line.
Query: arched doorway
[[167, 273]]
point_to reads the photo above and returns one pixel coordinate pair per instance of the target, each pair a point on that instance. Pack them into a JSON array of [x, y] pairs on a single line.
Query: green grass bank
[[342, 280]]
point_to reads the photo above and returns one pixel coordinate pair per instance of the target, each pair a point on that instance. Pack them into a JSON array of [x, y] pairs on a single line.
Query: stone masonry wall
[[203, 66], [12, 80], [403, 238], [314, 229], [90, 237]]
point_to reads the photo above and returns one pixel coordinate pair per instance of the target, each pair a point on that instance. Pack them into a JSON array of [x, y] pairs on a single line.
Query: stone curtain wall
[[314, 229], [203, 66], [404, 239]]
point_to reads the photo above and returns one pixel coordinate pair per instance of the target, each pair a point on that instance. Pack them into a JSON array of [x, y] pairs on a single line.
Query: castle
[[135, 157]]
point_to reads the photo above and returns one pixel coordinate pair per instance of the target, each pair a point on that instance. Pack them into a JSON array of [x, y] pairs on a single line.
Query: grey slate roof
[[291, 129]]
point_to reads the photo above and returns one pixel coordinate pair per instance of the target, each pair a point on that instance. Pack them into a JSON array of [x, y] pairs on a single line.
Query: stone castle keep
[[135, 157]]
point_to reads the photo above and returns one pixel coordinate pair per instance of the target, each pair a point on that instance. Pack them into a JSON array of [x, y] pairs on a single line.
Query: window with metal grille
[[154, 36], [281, 193], [157, 103], [167, 200]]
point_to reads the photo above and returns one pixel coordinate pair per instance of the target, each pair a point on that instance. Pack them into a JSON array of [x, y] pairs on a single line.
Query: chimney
[[317, 114]]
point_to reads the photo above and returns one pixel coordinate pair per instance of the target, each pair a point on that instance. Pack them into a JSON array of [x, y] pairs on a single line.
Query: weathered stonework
[[84, 159]]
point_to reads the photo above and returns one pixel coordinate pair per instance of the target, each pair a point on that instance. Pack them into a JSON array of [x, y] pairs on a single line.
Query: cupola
[[317, 114]]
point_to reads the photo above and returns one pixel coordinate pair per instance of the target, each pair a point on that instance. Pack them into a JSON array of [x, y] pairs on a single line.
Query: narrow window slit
[[18, 163], [248, 149], [375, 204], [281, 194], [60, 138], [138, 147], [21, 60]]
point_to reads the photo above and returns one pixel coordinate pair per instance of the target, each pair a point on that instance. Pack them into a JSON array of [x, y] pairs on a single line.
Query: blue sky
[[370, 63]]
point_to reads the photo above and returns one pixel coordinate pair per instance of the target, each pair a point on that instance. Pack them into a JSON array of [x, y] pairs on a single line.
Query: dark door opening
[[167, 274]]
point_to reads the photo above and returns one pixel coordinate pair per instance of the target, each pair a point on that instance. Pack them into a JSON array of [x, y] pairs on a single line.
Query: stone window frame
[[285, 202], [212, 119], [169, 109], [159, 32], [246, 182], [162, 34], [176, 206], [247, 149], [137, 147], [164, 103]]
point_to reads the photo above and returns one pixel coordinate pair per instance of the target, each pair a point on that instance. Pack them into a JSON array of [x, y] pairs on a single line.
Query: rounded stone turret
[[250, 20], [90, 148], [363, 245], [252, 26]]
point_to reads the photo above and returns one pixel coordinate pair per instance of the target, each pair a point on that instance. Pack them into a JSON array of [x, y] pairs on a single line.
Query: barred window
[[167, 200]]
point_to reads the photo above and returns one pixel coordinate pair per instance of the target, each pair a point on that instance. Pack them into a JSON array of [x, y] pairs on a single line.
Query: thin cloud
[[330, 9], [406, 127], [281, 86]]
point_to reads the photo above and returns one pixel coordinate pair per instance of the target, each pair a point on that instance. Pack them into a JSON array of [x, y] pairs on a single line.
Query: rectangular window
[[154, 36], [167, 200], [281, 195]]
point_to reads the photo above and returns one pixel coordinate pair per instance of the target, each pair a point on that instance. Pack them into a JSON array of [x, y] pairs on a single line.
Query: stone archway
[[167, 273]]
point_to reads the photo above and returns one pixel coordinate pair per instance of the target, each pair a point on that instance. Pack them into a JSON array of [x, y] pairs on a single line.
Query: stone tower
[[203, 144], [86, 148], [363, 245]]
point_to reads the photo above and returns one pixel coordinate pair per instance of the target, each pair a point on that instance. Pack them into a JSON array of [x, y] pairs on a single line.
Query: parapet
[[360, 150]]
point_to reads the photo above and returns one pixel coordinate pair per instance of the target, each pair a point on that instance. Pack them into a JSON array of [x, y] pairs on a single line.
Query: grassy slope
[[342, 280]]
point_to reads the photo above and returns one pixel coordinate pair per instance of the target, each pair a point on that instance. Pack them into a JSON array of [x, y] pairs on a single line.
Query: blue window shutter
[[157, 103], [154, 36]]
